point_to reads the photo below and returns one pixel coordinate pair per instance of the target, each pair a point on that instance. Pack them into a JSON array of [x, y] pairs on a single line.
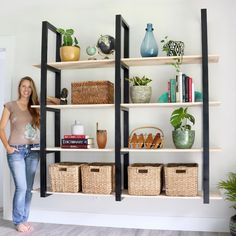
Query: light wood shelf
[[167, 150], [141, 61], [76, 149], [153, 105], [77, 106], [213, 195], [152, 61]]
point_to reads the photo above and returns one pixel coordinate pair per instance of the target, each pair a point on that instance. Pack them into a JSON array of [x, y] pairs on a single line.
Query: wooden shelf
[[77, 106], [142, 61], [167, 150], [153, 105], [76, 149], [81, 64], [152, 61], [213, 195]]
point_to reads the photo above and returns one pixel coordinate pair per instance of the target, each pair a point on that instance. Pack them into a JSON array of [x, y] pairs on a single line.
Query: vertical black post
[[117, 107], [57, 118], [205, 107], [126, 100], [43, 120]]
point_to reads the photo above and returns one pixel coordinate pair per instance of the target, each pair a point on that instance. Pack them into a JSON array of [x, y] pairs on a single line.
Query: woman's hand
[[11, 150]]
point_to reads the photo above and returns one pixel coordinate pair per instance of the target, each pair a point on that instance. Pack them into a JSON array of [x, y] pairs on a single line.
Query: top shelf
[[127, 62]]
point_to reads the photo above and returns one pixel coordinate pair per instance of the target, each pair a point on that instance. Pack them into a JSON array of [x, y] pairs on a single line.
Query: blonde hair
[[33, 100]]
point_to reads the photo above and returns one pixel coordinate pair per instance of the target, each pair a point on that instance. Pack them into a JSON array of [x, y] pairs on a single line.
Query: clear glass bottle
[[149, 46]]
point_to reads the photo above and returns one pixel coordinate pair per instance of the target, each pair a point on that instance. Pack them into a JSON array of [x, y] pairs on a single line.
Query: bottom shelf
[[213, 195]]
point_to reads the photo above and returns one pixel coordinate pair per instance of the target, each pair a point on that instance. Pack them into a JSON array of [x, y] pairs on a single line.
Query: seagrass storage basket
[[92, 92], [65, 177], [97, 178], [144, 179], [181, 179]]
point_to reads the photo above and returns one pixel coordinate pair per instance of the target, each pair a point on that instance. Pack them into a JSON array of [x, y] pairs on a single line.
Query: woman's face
[[25, 89]]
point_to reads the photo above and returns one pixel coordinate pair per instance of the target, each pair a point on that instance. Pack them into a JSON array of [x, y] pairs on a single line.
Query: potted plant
[[173, 48], [183, 136], [69, 51], [229, 186], [140, 91]]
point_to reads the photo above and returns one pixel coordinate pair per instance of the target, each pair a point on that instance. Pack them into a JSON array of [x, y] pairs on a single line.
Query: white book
[[180, 87]]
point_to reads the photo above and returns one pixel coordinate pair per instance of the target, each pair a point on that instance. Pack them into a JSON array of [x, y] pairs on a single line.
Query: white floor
[[42, 229]]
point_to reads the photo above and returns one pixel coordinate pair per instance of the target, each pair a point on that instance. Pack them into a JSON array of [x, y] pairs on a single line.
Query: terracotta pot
[[69, 53], [101, 138]]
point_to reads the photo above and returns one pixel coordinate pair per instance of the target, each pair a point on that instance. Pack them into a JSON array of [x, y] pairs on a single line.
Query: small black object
[[63, 98]]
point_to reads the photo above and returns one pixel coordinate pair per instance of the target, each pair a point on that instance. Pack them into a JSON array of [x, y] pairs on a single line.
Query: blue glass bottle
[[149, 46]]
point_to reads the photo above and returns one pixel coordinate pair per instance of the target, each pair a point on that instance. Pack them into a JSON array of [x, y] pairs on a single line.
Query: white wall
[[6, 71], [179, 20]]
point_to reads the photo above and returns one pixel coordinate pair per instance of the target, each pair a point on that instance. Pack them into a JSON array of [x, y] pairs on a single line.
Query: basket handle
[[142, 171], [180, 171], [62, 169], [147, 127]]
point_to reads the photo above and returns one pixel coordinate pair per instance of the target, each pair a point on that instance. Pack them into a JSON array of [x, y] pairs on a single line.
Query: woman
[[24, 135]]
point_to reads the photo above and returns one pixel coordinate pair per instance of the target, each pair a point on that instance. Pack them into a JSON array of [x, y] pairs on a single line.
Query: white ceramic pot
[[77, 128]]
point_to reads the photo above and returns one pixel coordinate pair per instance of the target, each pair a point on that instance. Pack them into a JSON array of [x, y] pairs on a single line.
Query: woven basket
[[97, 178], [181, 179], [65, 177], [144, 179], [92, 92], [148, 137]]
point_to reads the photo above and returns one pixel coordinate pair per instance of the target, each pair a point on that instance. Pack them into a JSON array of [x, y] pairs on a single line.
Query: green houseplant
[[183, 135], [140, 91], [173, 48], [229, 186], [70, 50]]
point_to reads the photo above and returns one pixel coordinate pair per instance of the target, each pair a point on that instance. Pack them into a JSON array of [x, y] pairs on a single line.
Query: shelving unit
[[121, 63]]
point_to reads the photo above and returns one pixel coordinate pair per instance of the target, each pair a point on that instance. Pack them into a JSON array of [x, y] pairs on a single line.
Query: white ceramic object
[[77, 128]]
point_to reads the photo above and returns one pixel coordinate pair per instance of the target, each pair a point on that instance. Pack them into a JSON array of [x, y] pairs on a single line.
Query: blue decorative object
[[164, 97], [149, 46]]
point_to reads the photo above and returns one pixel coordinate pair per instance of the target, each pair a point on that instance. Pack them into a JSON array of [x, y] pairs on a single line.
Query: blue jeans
[[23, 165]]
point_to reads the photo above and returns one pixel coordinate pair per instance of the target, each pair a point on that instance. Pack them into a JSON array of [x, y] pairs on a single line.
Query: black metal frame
[[205, 107], [46, 26], [120, 22]]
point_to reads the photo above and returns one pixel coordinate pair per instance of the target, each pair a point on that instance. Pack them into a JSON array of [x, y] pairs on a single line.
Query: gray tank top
[[22, 131]]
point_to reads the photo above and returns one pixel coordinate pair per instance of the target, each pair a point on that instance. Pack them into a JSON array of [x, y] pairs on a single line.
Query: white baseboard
[[131, 221]]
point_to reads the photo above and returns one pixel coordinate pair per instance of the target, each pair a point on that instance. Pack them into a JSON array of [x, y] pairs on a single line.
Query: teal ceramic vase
[[183, 139], [149, 46]]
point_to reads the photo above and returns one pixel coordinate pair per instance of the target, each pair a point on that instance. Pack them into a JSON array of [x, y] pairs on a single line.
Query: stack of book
[[76, 141], [181, 89]]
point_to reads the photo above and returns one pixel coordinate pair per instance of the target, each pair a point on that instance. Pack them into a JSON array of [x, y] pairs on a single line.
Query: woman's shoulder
[[10, 105]]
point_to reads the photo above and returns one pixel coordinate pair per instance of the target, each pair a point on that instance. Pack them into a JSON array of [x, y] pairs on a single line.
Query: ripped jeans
[[23, 164]]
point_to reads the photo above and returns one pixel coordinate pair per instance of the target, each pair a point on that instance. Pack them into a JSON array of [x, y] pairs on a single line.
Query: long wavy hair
[[33, 100]]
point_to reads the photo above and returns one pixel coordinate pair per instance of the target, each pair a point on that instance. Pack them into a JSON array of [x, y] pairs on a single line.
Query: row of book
[[77, 141], [181, 89]]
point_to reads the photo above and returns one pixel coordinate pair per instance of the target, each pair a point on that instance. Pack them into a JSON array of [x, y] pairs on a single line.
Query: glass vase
[[149, 45]]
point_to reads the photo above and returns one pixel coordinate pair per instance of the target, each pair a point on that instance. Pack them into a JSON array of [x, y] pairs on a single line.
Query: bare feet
[[28, 225], [22, 228]]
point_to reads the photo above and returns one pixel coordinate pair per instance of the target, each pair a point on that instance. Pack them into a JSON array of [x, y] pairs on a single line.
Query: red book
[[168, 91], [190, 92], [79, 146], [75, 136]]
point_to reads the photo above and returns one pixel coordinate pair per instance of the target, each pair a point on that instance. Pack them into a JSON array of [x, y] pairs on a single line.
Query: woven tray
[[181, 179], [92, 92], [144, 179], [65, 177], [97, 178], [148, 137]]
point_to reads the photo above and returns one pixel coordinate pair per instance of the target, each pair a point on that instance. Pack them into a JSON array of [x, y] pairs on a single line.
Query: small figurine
[[63, 98]]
